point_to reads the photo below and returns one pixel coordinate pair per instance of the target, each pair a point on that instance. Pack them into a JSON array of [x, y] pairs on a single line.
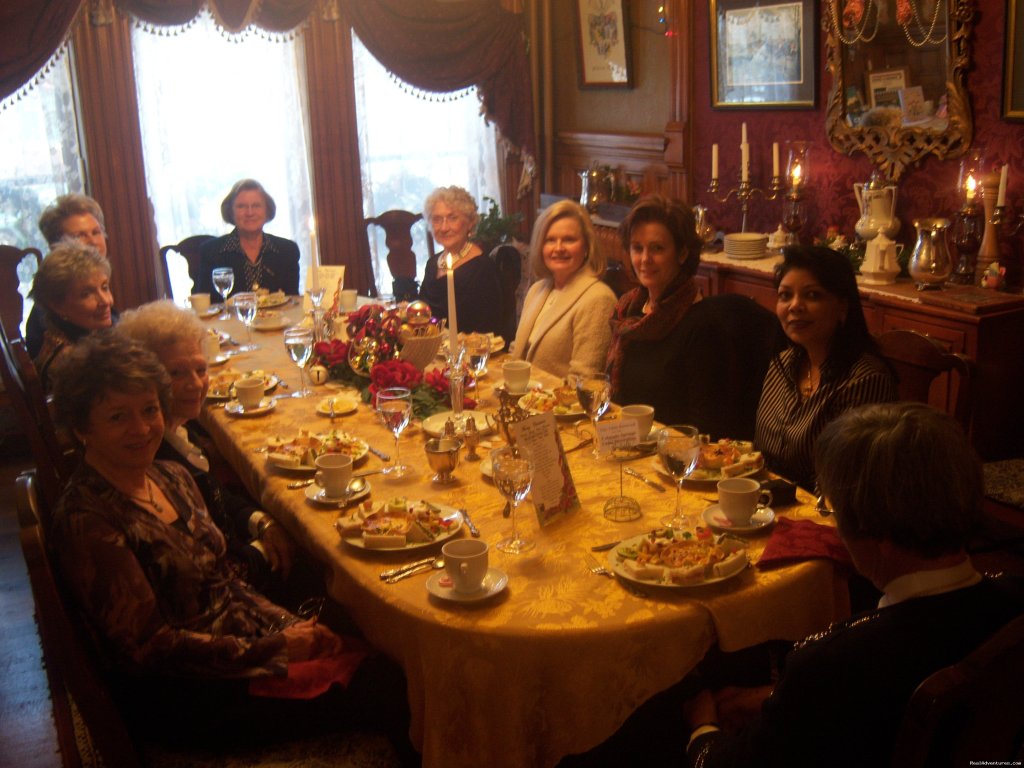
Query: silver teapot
[[598, 184]]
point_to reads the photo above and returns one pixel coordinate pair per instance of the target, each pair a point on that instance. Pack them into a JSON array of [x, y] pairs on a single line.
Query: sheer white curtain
[[215, 109], [410, 145]]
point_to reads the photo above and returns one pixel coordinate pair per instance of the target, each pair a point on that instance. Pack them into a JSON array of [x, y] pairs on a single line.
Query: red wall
[[924, 190]]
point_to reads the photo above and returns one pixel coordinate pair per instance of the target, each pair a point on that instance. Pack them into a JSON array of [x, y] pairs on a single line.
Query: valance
[[30, 32]]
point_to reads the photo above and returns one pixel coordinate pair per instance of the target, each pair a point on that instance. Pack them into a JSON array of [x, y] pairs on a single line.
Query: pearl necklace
[[456, 257]]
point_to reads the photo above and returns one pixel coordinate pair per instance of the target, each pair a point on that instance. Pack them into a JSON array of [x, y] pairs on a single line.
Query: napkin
[[308, 679], [803, 540]]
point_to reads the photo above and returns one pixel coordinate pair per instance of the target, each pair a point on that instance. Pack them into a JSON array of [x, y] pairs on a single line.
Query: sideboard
[[994, 340]]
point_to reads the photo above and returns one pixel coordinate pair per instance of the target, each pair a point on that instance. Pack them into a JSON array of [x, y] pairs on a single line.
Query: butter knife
[[473, 530], [644, 479], [378, 453], [391, 572]]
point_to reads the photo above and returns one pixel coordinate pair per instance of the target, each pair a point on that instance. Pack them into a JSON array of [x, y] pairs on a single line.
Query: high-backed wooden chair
[[509, 262], [969, 712], [189, 249], [921, 362], [397, 226], [11, 303]]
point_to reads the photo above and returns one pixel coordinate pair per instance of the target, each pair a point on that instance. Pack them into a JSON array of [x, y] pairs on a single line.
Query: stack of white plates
[[745, 245]]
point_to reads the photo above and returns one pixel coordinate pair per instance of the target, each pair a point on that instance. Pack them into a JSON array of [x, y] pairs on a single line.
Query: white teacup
[[333, 473], [200, 302], [740, 497], [211, 346], [643, 415], [517, 375], [348, 299], [249, 391], [465, 561]]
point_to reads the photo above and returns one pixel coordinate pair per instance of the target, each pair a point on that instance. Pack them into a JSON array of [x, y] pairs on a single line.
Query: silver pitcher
[[930, 265], [597, 187]]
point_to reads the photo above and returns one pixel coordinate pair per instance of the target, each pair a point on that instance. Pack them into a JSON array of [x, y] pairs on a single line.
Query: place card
[[332, 279], [553, 493], [620, 433]]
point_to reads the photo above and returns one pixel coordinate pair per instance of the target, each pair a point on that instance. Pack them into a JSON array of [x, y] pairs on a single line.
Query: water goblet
[[316, 296], [679, 450], [513, 476], [298, 340], [394, 406], [478, 349], [594, 393], [246, 306], [224, 281]]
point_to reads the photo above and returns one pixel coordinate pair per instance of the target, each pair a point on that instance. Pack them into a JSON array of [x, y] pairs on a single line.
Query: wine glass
[[394, 406], [594, 391], [246, 305], [478, 348], [513, 475], [316, 296], [298, 340], [224, 282], [679, 449]]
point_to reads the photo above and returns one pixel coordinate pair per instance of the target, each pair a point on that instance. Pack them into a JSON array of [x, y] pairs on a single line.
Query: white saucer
[[206, 314], [494, 582], [716, 519], [218, 360], [267, 404], [316, 494], [271, 324], [533, 384]]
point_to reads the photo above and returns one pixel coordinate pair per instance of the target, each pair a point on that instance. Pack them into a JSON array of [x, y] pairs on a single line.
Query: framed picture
[[763, 56], [603, 43], [1013, 62], [884, 86]]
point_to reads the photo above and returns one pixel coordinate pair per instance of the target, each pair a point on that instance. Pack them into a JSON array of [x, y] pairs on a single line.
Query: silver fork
[[599, 570], [330, 405]]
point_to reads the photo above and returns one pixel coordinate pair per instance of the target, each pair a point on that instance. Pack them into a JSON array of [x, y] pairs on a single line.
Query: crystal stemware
[[224, 281], [394, 406], [298, 340], [246, 306], [679, 449], [513, 476], [594, 393]]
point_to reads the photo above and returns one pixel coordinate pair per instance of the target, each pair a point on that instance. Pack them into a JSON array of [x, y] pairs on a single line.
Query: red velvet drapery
[[30, 32]]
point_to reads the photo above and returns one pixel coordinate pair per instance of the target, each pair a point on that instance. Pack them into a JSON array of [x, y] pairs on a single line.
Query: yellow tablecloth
[[554, 664]]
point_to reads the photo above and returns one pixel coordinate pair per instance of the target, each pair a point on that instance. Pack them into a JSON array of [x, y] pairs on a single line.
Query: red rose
[[395, 373]]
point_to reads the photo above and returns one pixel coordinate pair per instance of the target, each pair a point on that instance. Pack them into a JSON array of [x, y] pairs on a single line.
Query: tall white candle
[[744, 161], [314, 261], [775, 159], [743, 135], [453, 323], [714, 162], [1003, 177]]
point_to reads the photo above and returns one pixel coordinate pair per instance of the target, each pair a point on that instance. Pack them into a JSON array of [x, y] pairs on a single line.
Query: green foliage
[[493, 229]]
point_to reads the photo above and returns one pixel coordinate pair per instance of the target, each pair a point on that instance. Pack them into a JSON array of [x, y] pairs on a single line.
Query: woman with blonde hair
[[565, 322]]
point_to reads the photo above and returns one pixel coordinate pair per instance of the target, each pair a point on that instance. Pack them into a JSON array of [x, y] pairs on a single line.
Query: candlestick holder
[[744, 193], [794, 215], [967, 225]]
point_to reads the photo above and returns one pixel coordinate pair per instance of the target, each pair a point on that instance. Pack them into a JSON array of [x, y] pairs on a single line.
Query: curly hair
[[594, 258], [51, 222], [227, 205], [104, 362], [160, 325], [457, 199], [677, 218], [65, 265]]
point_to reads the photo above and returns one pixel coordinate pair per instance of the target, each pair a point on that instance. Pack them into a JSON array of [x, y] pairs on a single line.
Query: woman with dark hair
[[691, 358], [258, 259], [831, 363]]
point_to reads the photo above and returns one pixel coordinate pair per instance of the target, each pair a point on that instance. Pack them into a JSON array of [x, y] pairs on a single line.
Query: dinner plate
[[234, 408], [271, 300], [494, 582], [342, 405], [497, 343], [615, 563], [447, 513], [359, 450], [276, 322], [716, 519], [269, 385], [434, 425], [538, 400], [218, 360], [316, 494], [207, 313], [701, 475]]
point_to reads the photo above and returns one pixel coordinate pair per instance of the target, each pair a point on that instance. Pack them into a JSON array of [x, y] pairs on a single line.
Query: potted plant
[[493, 229]]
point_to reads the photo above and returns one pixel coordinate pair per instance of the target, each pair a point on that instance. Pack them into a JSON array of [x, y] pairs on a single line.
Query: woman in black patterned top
[[830, 365]]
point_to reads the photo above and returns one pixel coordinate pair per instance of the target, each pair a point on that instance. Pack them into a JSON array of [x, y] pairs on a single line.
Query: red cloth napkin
[[803, 540], [308, 679]]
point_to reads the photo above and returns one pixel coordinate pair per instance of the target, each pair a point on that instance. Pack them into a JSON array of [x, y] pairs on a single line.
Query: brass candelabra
[[744, 193]]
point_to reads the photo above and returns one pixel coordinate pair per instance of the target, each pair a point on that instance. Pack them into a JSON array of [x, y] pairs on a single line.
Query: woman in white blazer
[[565, 322]]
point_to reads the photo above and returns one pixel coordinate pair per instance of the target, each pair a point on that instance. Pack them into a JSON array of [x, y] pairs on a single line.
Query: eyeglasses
[[452, 218]]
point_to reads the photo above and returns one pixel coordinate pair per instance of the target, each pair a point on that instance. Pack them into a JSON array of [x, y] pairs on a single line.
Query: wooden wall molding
[[638, 157]]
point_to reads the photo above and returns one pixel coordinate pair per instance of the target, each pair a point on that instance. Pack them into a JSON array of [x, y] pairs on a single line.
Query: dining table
[[553, 663]]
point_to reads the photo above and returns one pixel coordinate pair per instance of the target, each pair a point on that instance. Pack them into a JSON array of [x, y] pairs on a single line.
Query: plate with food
[[560, 401], [399, 524], [222, 383], [677, 559], [337, 405], [270, 320], [299, 452], [271, 300], [727, 458]]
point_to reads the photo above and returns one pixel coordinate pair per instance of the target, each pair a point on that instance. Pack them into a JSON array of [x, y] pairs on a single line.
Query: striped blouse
[[788, 424]]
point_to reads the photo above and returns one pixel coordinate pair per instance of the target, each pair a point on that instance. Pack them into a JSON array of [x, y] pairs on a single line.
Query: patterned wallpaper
[[927, 189]]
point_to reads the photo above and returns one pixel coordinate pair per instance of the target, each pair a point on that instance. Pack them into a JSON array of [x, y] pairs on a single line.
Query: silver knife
[[644, 479], [378, 453], [390, 572], [473, 530]]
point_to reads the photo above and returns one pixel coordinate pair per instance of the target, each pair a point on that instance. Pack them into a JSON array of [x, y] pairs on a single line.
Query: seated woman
[[258, 259], [187, 639], [906, 490], [565, 321], [830, 364], [175, 336], [452, 216], [72, 286], [692, 359]]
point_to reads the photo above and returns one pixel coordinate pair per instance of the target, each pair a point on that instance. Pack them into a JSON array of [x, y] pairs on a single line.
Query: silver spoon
[[437, 565]]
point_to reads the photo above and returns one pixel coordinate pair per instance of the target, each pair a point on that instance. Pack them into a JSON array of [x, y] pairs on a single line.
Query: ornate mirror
[[898, 70]]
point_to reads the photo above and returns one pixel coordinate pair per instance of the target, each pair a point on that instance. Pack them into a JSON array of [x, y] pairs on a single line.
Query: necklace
[[807, 387], [158, 508], [456, 257]]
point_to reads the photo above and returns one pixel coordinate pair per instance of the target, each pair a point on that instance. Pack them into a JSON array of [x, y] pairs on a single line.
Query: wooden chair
[[11, 302], [397, 226], [189, 249], [919, 361], [509, 262], [971, 711]]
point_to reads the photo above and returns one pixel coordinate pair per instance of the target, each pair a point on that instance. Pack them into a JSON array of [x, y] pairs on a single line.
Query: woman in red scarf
[[697, 361]]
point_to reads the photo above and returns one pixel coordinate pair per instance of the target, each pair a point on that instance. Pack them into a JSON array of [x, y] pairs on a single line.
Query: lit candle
[[775, 159], [453, 323], [744, 161], [743, 135], [314, 262], [797, 175], [1003, 176], [971, 185], [714, 162]]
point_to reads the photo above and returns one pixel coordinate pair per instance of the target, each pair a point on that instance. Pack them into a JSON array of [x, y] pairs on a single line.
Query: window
[[409, 146], [215, 109]]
